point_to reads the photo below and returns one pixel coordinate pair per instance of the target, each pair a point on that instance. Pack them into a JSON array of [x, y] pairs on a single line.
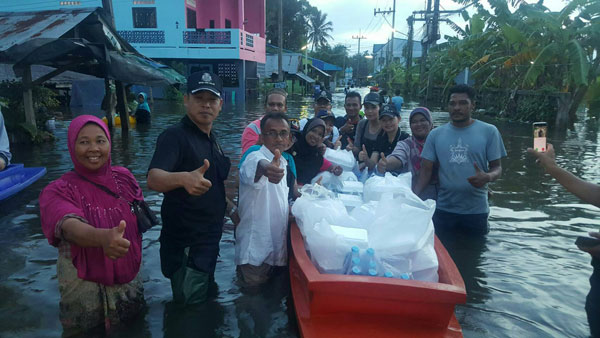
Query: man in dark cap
[[190, 168], [322, 102]]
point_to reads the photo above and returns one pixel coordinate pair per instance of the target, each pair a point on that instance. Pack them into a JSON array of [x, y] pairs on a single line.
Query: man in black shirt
[[190, 168], [347, 124]]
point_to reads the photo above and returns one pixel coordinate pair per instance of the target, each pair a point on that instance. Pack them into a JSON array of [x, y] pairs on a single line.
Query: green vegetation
[[530, 48], [44, 101]]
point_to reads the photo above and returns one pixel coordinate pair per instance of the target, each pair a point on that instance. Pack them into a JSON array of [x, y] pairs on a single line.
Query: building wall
[[254, 14], [38, 5]]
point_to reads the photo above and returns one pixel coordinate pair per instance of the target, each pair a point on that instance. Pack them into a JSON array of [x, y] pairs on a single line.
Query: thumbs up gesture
[[350, 145], [196, 184], [480, 178], [113, 244], [270, 170], [382, 164], [363, 155]]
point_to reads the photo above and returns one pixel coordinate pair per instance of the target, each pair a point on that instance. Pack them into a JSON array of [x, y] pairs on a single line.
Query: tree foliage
[[319, 29], [295, 23], [529, 48]]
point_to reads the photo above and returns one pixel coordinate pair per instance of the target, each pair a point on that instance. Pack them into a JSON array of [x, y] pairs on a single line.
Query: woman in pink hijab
[[86, 214]]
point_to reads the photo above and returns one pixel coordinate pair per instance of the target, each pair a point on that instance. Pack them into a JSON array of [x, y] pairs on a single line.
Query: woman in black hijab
[[308, 152]]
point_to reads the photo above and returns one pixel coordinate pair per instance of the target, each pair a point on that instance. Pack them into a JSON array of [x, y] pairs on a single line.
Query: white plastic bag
[[348, 176], [329, 180], [315, 204], [403, 235], [343, 158], [376, 186], [329, 244]]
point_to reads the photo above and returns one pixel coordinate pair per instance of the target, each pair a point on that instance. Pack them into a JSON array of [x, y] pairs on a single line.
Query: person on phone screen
[[589, 193], [468, 152]]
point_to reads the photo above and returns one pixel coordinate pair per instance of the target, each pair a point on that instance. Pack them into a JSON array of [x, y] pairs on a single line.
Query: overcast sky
[[349, 17]]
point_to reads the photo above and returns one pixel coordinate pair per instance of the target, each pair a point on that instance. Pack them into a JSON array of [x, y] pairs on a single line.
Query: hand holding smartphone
[[540, 130]]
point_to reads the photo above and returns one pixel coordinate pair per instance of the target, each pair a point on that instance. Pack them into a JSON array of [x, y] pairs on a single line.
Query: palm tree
[[319, 29]]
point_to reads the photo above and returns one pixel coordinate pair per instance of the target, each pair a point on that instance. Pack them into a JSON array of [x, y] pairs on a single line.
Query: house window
[[227, 23], [212, 24], [191, 18], [144, 17]]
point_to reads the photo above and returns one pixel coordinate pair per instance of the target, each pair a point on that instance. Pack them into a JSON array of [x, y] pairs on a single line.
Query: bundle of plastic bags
[[390, 219], [343, 158]]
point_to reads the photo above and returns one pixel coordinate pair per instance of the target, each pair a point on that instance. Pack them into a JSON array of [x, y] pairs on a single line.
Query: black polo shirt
[[340, 121], [383, 145], [183, 147]]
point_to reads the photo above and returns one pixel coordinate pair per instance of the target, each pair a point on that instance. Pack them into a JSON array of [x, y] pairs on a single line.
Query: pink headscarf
[[73, 195], [101, 176]]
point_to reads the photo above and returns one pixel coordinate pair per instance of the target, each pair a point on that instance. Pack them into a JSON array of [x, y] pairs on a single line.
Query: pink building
[[226, 37]]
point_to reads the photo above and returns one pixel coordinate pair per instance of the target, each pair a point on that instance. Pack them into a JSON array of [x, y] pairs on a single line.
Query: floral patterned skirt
[[85, 305]]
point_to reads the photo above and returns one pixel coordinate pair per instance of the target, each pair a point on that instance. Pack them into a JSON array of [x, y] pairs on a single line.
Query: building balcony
[[197, 44]]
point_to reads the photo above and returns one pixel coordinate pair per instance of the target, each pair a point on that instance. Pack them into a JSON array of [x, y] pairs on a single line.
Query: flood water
[[525, 279]]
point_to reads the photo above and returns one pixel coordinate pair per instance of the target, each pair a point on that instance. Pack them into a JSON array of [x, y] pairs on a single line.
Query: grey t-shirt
[[456, 150], [362, 134]]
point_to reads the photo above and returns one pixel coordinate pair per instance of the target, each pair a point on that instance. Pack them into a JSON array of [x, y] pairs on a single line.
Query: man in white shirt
[[263, 204]]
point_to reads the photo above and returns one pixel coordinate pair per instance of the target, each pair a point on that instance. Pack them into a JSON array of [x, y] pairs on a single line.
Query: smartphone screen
[[540, 130]]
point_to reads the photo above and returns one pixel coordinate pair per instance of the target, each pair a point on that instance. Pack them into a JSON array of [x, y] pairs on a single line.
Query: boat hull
[[330, 305], [16, 178]]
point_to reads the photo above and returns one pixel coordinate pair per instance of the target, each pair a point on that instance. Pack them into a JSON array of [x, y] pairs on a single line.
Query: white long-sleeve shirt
[[263, 209]]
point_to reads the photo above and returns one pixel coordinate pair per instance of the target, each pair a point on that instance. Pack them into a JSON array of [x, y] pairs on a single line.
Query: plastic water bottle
[[355, 270], [371, 264], [352, 259], [388, 274], [407, 276]]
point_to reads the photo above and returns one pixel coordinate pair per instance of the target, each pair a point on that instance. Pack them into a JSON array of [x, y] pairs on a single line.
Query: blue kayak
[[16, 178]]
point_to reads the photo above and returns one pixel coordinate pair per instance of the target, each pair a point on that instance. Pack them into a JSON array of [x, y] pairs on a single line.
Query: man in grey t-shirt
[[468, 153]]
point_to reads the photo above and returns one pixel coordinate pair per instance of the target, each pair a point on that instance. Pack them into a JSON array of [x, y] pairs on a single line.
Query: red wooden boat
[[330, 305]]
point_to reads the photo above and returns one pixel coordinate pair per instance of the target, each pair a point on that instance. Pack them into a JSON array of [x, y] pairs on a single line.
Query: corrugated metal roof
[[7, 74], [18, 27]]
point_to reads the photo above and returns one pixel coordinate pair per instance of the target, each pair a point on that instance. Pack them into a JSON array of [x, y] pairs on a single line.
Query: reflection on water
[[526, 278]]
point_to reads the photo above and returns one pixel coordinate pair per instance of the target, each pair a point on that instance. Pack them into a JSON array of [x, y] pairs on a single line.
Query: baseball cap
[[324, 114], [389, 110], [204, 81], [372, 98], [324, 95]]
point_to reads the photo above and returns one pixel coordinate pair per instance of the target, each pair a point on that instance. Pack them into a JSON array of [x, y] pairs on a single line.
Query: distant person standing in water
[[589, 193], [142, 112], [398, 100]]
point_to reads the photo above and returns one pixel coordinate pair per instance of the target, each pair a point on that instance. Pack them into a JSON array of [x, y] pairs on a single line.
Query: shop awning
[[305, 77], [320, 71]]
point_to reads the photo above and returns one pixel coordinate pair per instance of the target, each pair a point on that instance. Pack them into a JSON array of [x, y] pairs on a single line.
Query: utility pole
[[384, 12], [409, 55], [359, 37], [280, 56]]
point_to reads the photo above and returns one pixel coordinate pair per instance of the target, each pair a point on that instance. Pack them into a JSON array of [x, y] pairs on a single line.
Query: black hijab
[[308, 158]]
